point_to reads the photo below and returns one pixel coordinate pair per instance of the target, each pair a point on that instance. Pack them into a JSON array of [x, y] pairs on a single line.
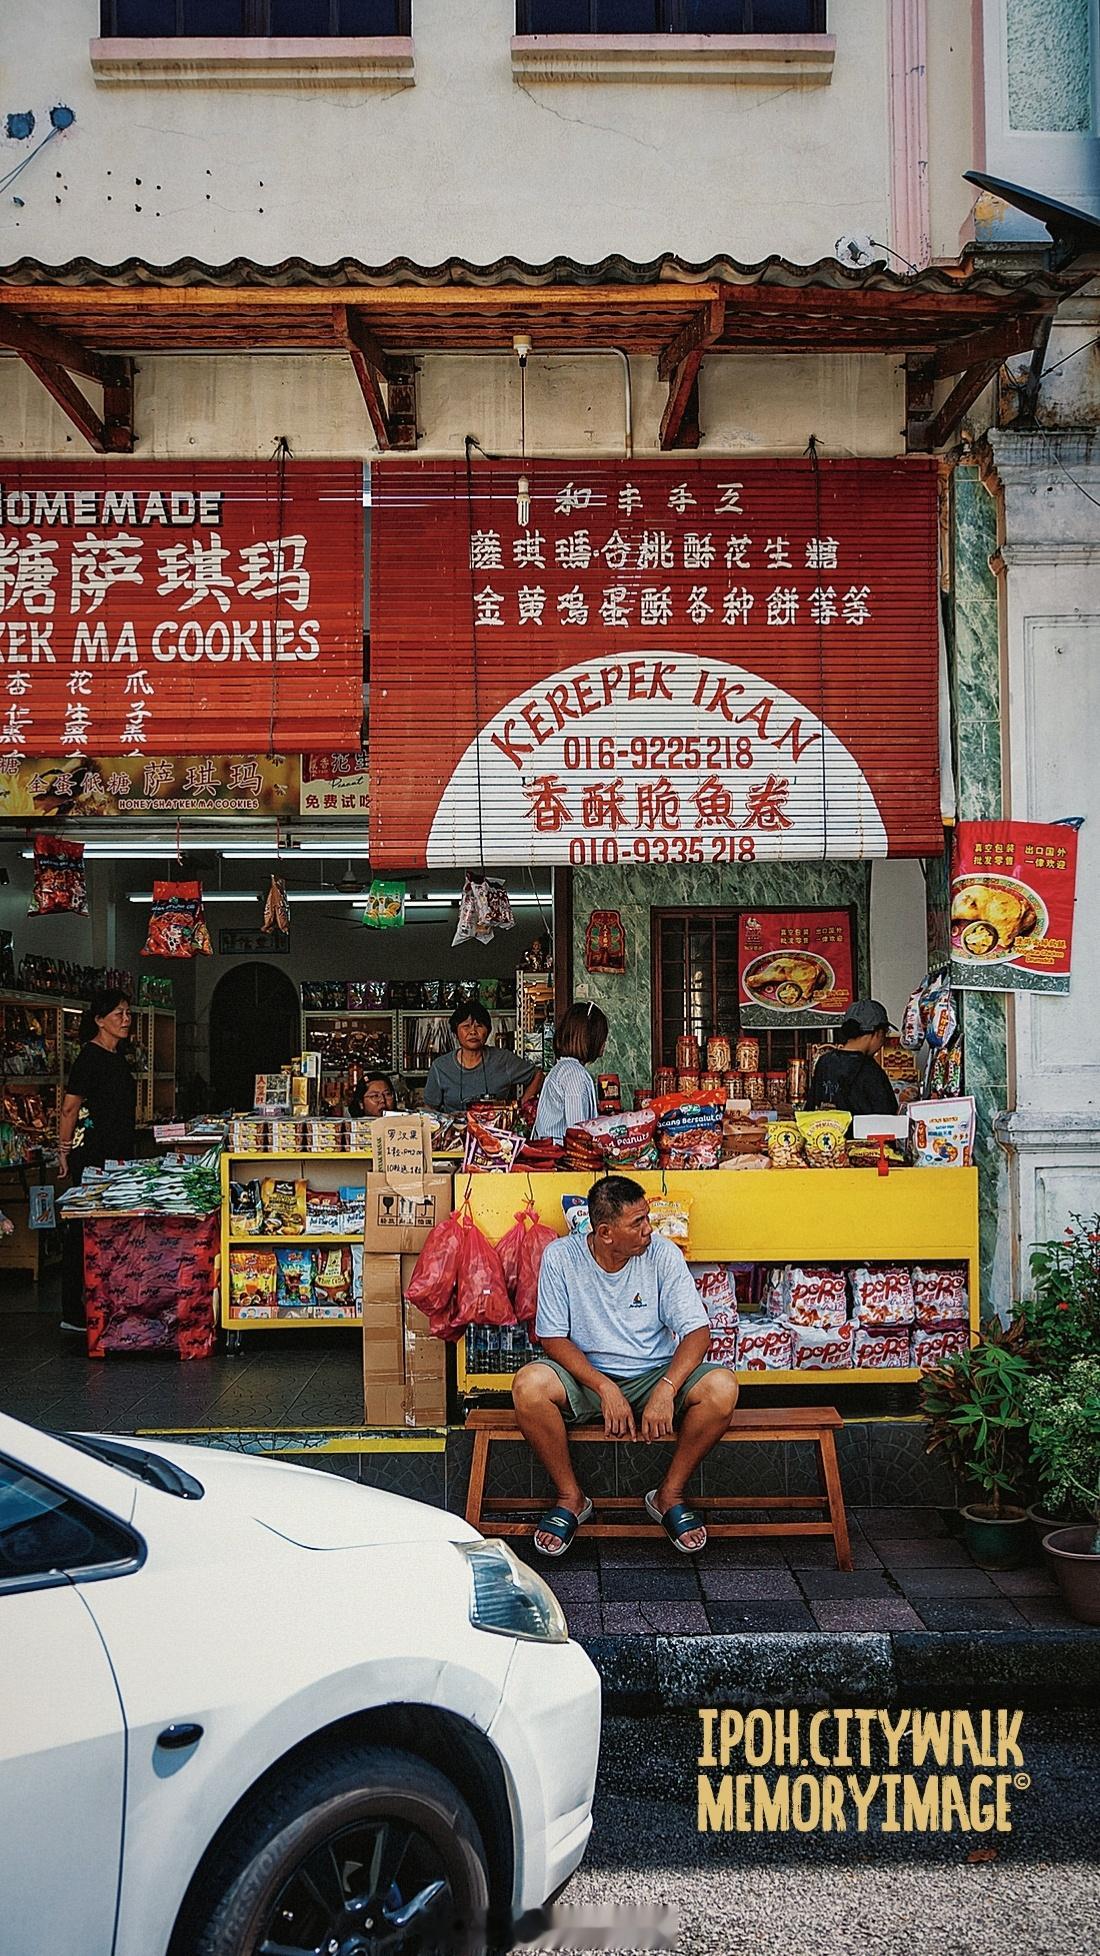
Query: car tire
[[327, 1817]]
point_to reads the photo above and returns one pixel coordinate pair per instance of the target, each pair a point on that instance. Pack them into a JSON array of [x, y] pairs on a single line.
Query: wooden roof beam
[[679, 364], [932, 433], [393, 413], [54, 358], [24, 337], [993, 343]]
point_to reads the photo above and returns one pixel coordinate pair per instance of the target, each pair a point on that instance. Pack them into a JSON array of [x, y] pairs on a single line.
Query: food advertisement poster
[[1013, 886], [794, 967], [653, 662], [335, 784]]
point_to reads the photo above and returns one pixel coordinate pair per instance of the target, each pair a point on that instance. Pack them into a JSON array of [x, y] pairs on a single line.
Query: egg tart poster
[[794, 967], [1013, 886]]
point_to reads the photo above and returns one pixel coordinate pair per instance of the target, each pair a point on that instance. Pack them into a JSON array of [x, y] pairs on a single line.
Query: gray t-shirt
[[624, 1321], [450, 1087]]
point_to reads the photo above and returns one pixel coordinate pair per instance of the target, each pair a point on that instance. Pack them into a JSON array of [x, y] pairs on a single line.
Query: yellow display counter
[[798, 1215]]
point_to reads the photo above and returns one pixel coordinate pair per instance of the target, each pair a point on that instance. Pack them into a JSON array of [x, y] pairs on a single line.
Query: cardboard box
[[384, 1405], [399, 1225], [426, 1402]]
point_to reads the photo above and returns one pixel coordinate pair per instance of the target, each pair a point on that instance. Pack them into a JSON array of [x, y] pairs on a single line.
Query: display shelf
[[154, 1059], [836, 1215], [325, 1171]]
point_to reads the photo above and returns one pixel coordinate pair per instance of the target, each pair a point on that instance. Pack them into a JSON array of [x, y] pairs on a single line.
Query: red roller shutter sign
[[152, 608], [666, 662]]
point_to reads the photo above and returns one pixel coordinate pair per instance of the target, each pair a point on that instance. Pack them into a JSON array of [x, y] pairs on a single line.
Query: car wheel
[[364, 1851]]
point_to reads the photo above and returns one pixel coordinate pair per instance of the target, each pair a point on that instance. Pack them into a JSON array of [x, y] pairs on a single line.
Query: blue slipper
[[677, 1521], [563, 1523]]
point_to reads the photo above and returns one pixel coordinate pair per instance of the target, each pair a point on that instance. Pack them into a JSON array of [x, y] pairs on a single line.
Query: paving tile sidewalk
[[911, 1574]]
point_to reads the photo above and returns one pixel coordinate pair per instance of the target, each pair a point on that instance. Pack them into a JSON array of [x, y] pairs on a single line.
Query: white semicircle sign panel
[[655, 757]]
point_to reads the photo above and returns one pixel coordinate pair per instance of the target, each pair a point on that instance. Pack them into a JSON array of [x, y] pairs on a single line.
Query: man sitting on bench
[[623, 1331]]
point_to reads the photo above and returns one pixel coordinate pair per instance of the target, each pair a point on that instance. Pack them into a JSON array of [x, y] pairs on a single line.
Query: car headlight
[[509, 1598]]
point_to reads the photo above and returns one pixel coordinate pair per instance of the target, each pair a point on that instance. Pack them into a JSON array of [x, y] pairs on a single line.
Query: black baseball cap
[[869, 1015]]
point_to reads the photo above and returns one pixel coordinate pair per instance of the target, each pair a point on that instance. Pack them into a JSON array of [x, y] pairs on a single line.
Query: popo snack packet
[[58, 877], [670, 1217], [941, 1133], [940, 1296], [817, 1298], [786, 1145], [716, 1291], [825, 1131], [294, 1267], [777, 1292], [284, 1207], [814, 1350], [872, 1348], [931, 1344], [763, 1345], [883, 1294], [177, 923], [253, 1279]]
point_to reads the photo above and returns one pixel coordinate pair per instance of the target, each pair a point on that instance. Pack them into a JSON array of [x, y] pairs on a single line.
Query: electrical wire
[[7, 181], [470, 444], [815, 465]]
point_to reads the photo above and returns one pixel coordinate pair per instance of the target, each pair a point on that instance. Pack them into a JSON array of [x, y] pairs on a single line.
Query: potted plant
[[1061, 1319], [974, 1406], [1064, 1425]]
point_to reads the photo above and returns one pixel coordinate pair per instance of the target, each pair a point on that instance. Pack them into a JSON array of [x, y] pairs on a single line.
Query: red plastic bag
[[520, 1253], [432, 1284], [482, 1292]]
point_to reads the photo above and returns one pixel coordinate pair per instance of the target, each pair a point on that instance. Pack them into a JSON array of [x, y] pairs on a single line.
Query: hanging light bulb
[[523, 501], [523, 487]]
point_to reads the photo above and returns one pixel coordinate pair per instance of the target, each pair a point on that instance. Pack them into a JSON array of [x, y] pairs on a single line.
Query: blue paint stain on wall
[[62, 117], [20, 125]]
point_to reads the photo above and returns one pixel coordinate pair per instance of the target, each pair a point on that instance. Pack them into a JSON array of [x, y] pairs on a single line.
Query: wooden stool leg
[[475, 1493], [835, 1492]]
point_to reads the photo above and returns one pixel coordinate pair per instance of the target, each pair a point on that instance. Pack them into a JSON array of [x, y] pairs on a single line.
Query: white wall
[[899, 936], [467, 162]]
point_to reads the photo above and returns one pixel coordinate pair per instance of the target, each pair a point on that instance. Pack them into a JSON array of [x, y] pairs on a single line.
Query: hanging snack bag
[[332, 1280], [825, 1130], [816, 1298], [821, 1351], [932, 1344], [763, 1345], [385, 908], [253, 1279], [284, 1207], [276, 910], [670, 1217], [940, 1296], [938, 1013], [941, 1133], [294, 1294], [177, 925], [874, 1348], [577, 1219], [786, 1144], [58, 876], [883, 1295], [245, 1212]]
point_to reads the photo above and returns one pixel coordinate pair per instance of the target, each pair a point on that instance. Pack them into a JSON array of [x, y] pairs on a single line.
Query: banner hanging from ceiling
[[146, 608], [176, 785], [653, 661], [1013, 890]]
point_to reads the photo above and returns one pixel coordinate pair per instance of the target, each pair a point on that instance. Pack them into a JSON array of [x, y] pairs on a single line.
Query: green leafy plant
[[1063, 1416], [1062, 1318], [974, 1406]]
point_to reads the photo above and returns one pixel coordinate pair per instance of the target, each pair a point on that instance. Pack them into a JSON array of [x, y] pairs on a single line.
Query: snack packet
[[253, 1278], [824, 1130], [763, 1345], [177, 925], [324, 1212], [385, 906], [821, 1351], [58, 876], [333, 1269], [883, 1295], [872, 1348], [490, 1150], [670, 1217], [577, 1219], [816, 1299], [294, 1294], [941, 1132], [932, 1344], [940, 1296], [786, 1145], [777, 1292], [245, 1212], [276, 911], [284, 1207]]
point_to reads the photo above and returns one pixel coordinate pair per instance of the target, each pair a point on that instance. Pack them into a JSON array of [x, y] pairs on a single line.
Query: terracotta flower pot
[[1077, 1570], [997, 1540]]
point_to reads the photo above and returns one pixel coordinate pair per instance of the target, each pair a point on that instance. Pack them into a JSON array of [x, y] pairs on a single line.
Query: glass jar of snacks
[[687, 1053], [719, 1059], [748, 1055]]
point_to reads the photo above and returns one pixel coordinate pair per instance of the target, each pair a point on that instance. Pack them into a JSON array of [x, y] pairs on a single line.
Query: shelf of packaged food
[[285, 1324], [844, 1216], [29, 1079], [302, 1156], [308, 1238]]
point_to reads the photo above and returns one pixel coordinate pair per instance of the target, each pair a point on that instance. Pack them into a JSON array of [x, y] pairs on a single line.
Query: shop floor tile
[[867, 1613], [673, 1585], [721, 1585], [1023, 1582], [917, 1583], [899, 1523], [970, 1613], [837, 1583], [732, 1617], [928, 1552], [1049, 1613], [656, 1619]]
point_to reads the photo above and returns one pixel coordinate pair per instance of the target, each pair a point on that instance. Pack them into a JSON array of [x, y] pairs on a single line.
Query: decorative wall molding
[[909, 197], [244, 62], [757, 59]]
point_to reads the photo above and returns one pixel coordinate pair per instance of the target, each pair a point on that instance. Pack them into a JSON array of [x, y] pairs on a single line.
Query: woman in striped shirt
[[568, 1095]]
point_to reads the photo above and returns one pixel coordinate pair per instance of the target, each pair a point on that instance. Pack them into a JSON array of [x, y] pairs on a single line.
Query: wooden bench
[[817, 1425]]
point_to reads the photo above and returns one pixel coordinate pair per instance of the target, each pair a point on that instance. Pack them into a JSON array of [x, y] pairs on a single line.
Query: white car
[[249, 1709]]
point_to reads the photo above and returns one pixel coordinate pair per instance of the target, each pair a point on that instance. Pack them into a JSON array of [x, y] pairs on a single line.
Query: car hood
[[305, 1505]]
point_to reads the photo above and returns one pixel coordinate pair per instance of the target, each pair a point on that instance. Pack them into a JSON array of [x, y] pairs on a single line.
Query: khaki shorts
[[584, 1404]]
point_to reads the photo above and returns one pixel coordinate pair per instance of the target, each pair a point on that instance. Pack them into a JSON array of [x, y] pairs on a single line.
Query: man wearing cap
[[848, 1074]]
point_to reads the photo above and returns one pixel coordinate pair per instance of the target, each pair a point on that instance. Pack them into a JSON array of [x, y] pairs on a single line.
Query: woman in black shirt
[[102, 1082]]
